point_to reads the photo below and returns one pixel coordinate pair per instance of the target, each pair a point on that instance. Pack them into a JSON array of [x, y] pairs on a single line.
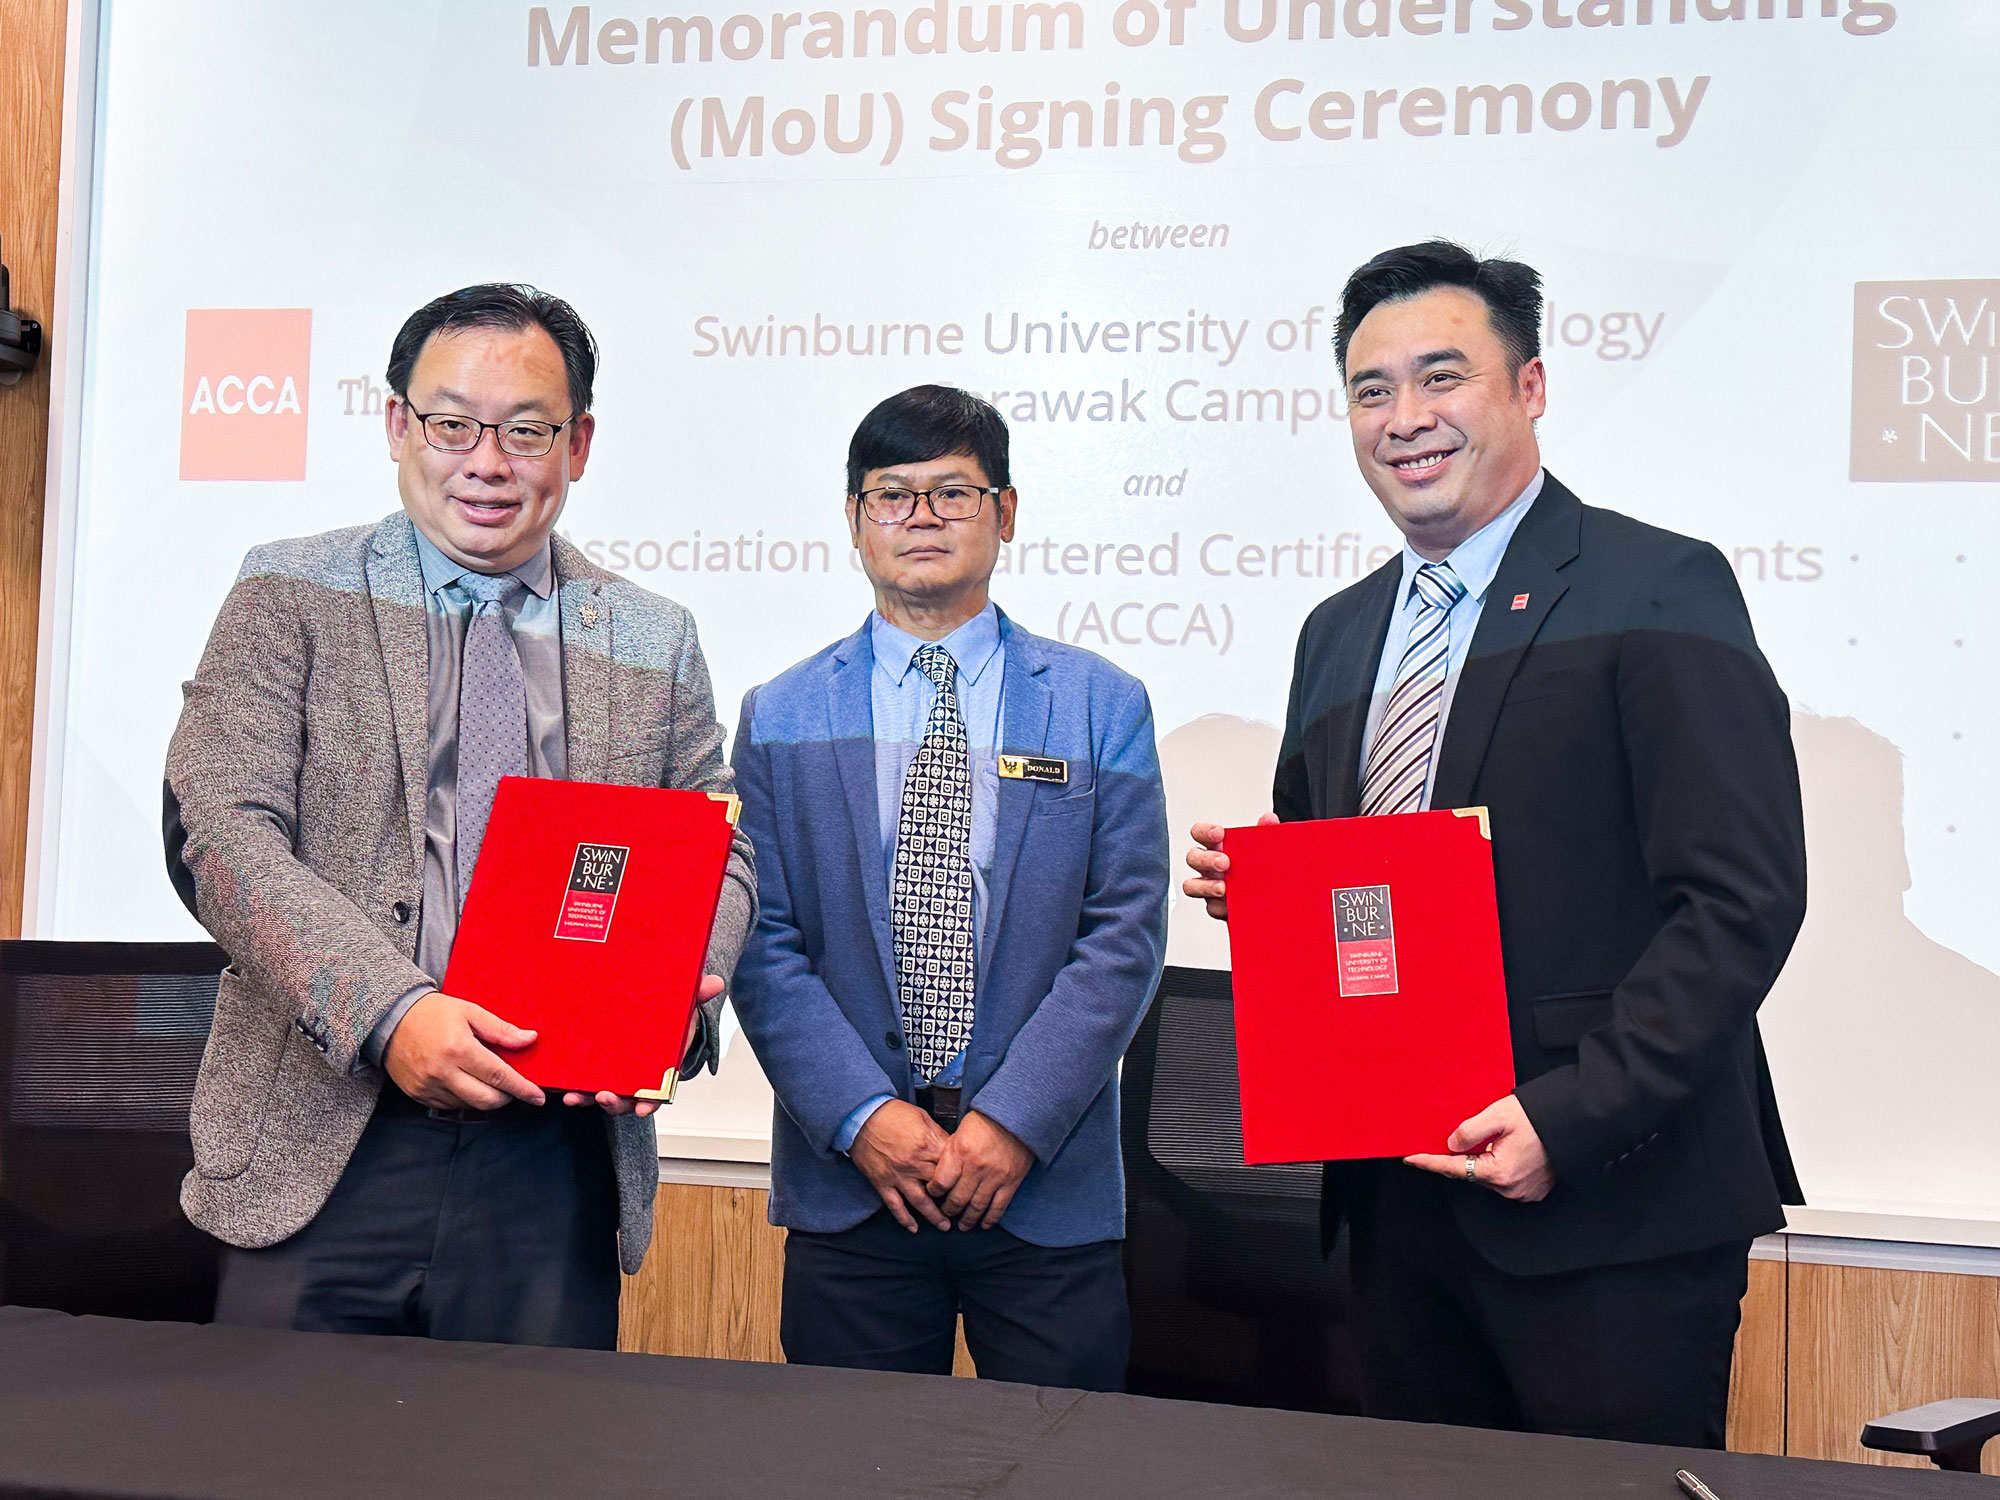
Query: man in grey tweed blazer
[[361, 1142]]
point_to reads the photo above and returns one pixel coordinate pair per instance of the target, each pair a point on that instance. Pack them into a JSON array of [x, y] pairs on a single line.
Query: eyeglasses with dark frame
[[892, 504], [449, 432]]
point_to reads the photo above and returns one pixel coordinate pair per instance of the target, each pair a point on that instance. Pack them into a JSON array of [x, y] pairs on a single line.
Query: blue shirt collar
[[1476, 559], [440, 572], [971, 645]]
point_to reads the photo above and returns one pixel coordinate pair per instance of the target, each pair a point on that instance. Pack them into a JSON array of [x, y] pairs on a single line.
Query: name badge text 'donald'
[[1034, 768]]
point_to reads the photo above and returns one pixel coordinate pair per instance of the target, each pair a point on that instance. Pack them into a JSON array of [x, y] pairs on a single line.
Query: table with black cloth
[[174, 1411]]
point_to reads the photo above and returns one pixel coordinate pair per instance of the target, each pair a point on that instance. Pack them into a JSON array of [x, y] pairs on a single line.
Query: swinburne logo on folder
[[1364, 940], [594, 878]]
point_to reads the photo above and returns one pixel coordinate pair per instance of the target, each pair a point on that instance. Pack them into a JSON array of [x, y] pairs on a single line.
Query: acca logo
[[243, 393]]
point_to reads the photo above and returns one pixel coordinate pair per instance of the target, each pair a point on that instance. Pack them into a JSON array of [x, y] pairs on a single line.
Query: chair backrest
[[99, 1046], [1231, 1297]]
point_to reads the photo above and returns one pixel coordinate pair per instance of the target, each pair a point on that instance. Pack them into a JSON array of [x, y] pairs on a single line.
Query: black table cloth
[[170, 1411]]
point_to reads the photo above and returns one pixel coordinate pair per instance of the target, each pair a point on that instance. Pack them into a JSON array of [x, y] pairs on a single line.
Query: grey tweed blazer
[[299, 772]]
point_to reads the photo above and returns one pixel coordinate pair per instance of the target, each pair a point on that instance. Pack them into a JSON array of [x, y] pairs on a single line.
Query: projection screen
[[1766, 227]]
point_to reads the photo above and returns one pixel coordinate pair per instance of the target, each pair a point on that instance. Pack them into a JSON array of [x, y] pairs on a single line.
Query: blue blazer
[[1075, 935]]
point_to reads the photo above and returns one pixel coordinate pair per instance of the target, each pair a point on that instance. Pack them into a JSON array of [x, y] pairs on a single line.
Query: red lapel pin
[[1520, 601]]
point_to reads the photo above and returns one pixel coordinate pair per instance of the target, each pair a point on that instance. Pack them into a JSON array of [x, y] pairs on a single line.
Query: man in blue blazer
[[962, 854]]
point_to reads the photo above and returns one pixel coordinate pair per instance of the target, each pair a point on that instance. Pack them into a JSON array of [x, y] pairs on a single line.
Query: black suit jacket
[[1635, 752]]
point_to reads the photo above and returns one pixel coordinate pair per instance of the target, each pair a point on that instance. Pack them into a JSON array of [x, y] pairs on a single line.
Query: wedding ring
[[1472, 1169]]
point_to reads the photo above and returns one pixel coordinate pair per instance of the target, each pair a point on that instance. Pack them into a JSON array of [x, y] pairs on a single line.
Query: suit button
[[894, 1040], [401, 912]]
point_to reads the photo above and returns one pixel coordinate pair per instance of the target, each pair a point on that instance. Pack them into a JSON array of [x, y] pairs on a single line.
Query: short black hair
[[505, 305], [926, 422], [1511, 290]]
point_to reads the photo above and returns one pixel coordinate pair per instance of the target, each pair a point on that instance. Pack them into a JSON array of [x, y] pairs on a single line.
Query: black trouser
[[1637, 1352], [502, 1229], [876, 1297]]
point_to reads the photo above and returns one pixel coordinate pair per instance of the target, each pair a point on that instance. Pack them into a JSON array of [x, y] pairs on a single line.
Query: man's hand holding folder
[[618, 1104], [1504, 1152], [1211, 867], [589, 915], [1497, 1148], [443, 1053]]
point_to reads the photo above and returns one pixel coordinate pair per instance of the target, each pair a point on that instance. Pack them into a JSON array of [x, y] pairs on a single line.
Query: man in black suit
[[1577, 1264]]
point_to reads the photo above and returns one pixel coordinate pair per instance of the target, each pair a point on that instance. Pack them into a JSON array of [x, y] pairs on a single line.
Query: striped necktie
[[930, 905], [1399, 762]]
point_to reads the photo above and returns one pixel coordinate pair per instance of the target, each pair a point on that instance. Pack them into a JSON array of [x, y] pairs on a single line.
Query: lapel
[[1025, 707], [850, 730], [1546, 541], [396, 598], [1353, 687], [586, 662]]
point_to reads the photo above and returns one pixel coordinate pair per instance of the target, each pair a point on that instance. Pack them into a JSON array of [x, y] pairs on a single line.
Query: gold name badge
[[1035, 768]]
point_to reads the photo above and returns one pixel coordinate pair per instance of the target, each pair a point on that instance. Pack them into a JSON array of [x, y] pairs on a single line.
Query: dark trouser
[[502, 1229], [1636, 1352], [876, 1297]]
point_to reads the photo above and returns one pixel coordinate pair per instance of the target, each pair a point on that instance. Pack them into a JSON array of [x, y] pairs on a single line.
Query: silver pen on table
[[1695, 1489]]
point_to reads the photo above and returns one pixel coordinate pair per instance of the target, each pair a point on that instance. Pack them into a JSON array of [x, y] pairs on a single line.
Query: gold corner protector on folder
[[1485, 822], [664, 1094], [732, 805]]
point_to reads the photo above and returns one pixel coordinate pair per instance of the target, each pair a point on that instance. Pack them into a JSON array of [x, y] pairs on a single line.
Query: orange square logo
[[243, 393]]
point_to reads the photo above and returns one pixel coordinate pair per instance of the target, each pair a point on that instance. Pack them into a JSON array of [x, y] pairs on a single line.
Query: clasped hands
[[967, 1177], [1500, 1141], [443, 1053]]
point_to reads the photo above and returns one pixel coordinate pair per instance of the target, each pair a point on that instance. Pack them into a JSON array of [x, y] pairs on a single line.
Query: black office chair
[[1231, 1298], [99, 1044], [1949, 1433]]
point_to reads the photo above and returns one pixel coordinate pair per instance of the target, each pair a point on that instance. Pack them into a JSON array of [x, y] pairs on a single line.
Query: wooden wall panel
[[1757, 1382], [711, 1285], [31, 79], [961, 1357], [1865, 1342]]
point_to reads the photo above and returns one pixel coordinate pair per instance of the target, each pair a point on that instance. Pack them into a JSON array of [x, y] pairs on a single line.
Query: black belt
[[393, 1101], [941, 1104]]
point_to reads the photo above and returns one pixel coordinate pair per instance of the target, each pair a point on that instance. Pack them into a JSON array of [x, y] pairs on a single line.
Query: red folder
[[1371, 1008], [587, 922]]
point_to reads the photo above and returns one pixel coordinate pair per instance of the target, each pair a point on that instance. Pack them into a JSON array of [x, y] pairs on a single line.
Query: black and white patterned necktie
[[930, 905], [492, 714]]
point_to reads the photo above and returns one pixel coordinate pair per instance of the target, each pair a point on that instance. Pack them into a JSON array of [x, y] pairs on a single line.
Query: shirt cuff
[[844, 1138], [376, 1047]]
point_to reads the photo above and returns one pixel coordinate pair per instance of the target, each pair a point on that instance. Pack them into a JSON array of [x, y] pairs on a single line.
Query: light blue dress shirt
[[901, 698], [1475, 560]]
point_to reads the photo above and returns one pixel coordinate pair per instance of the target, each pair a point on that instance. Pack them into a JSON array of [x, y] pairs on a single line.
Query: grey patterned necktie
[[1399, 762], [931, 903], [492, 714]]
